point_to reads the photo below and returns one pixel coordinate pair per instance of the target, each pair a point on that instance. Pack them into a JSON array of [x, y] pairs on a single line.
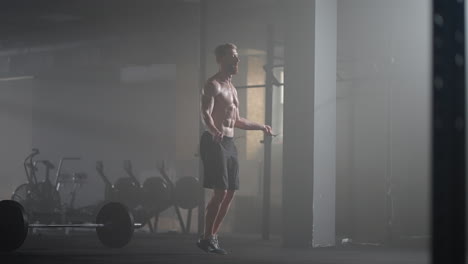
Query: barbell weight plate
[[127, 192], [156, 195], [13, 225], [187, 192], [118, 225]]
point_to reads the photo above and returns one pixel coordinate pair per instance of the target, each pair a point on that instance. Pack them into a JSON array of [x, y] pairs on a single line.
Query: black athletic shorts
[[221, 168]]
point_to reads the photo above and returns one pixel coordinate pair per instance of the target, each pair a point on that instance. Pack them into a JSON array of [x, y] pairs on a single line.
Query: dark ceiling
[[30, 22], [133, 27]]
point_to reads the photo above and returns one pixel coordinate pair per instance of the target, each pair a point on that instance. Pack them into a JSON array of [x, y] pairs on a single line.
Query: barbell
[[114, 225]]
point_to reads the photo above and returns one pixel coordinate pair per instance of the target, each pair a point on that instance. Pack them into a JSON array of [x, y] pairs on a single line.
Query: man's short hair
[[223, 49]]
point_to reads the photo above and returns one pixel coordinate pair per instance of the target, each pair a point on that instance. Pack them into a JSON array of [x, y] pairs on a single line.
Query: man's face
[[230, 62]]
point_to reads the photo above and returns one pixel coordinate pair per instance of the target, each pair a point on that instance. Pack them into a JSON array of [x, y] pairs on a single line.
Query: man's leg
[[212, 211], [223, 209]]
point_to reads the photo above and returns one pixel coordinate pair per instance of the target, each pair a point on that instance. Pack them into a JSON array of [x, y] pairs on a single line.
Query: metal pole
[[448, 133], [135, 225], [203, 25], [256, 86], [267, 139], [189, 221]]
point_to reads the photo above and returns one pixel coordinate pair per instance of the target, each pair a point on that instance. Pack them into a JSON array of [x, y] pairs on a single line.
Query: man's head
[[227, 58]]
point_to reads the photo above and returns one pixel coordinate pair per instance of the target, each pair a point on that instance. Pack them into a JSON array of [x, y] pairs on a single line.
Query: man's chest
[[227, 96]]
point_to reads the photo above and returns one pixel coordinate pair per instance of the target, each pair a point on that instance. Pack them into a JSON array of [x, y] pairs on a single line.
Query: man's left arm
[[245, 124]]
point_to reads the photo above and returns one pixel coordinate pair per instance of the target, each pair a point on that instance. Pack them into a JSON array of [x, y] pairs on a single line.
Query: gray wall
[[382, 116], [108, 122], [16, 140], [77, 105]]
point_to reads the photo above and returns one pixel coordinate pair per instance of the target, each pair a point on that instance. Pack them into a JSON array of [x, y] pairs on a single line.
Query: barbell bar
[[114, 225], [136, 225]]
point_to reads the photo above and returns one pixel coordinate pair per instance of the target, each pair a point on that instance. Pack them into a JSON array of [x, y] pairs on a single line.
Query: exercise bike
[[40, 199]]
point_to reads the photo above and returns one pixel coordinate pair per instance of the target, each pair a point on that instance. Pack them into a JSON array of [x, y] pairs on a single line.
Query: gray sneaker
[[217, 248], [205, 245], [211, 245]]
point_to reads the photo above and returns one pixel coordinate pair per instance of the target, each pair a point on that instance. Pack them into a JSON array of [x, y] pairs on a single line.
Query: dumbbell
[[114, 225]]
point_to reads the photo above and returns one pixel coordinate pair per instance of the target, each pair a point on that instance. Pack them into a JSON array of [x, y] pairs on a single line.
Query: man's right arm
[[207, 104]]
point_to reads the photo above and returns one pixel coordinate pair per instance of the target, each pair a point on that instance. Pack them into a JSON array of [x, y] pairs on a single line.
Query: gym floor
[[174, 248]]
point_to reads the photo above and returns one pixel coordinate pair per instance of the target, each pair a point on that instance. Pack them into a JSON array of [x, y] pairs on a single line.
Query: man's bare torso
[[225, 109]]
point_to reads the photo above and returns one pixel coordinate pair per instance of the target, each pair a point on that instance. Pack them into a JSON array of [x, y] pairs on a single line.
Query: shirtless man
[[220, 113]]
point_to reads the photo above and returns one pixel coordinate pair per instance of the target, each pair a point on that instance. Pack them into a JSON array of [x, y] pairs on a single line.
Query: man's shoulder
[[213, 80], [212, 85]]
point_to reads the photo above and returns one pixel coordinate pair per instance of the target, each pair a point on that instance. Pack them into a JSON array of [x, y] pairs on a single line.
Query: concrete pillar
[[309, 124]]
